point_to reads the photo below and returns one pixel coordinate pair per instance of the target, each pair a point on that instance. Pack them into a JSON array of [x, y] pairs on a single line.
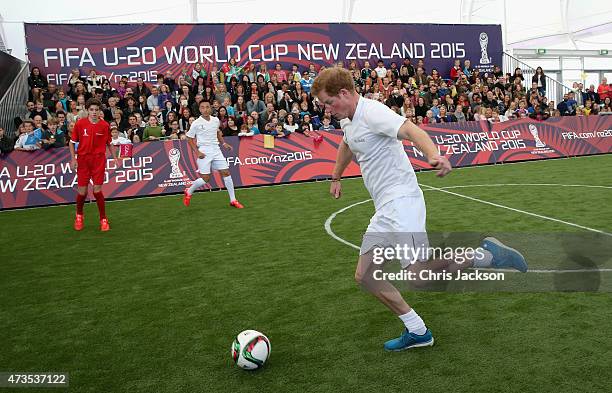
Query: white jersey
[[385, 167], [205, 132]]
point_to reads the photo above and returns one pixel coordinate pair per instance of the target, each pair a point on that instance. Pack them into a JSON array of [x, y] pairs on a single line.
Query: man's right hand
[[73, 164], [335, 189], [201, 155]]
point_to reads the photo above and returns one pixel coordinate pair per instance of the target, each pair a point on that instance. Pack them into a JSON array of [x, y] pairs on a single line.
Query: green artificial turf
[[154, 304]]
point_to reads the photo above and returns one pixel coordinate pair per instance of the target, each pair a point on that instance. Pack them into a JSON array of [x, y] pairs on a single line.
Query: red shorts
[[91, 166]]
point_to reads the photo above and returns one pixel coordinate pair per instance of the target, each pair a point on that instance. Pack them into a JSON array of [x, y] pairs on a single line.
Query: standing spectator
[[366, 70], [518, 74], [141, 88], [94, 81], [312, 70], [381, 71], [75, 77], [153, 99], [604, 90], [306, 81], [37, 79], [467, 68], [169, 81], [540, 79], [6, 143], [164, 95], [281, 75]]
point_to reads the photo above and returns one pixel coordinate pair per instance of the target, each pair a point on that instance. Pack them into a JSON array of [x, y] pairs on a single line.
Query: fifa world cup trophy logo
[[536, 137], [174, 155], [484, 41]]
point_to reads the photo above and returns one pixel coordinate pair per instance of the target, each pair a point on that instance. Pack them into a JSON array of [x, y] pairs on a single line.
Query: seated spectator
[[480, 113], [39, 109], [522, 109], [117, 138], [445, 117], [279, 131], [511, 111], [53, 136], [231, 129], [252, 125], [326, 124], [459, 115], [255, 105], [6, 143], [429, 118], [564, 108], [228, 106], [30, 139], [244, 131], [271, 125], [290, 124], [153, 131], [591, 94], [606, 106], [222, 116], [306, 125], [174, 132], [435, 108], [133, 129]]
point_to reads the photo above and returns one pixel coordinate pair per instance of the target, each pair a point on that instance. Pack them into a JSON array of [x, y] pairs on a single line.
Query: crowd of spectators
[[252, 99]]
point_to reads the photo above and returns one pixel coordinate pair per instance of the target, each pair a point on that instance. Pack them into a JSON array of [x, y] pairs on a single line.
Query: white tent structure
[[551, 24]]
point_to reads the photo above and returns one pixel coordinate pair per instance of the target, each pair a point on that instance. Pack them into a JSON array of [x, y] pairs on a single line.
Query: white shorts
[[213, 159], [400, 222]]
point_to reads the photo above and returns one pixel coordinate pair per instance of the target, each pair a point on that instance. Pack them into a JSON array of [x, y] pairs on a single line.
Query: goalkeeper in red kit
[[89, 159]]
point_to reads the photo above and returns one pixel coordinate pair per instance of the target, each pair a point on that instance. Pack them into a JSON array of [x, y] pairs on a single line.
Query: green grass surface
[[154, 304]]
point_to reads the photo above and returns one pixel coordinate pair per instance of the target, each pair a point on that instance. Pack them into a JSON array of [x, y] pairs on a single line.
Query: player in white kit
[[204, 137], [374, 134]]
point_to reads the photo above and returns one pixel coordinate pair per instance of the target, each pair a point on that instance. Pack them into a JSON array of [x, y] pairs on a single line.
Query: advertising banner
[[145, 50], [45, 177]]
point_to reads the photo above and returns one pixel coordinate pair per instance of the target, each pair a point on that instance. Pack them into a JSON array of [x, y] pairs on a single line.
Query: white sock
[[482, 258], [229, 184], [199, 182], [413, 323]]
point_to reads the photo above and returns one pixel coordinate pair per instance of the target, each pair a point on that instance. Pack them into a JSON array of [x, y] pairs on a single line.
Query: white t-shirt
[[205, 131], [385, 167], [381, 72]]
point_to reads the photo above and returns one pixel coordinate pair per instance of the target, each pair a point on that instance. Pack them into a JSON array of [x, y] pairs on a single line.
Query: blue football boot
[[504, 256], [409, 340]]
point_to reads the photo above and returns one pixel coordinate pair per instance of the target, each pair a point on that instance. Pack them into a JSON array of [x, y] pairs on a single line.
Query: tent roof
[[551, 24]]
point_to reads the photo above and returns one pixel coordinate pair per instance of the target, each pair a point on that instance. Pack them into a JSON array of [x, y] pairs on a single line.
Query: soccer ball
[[250, 349]]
